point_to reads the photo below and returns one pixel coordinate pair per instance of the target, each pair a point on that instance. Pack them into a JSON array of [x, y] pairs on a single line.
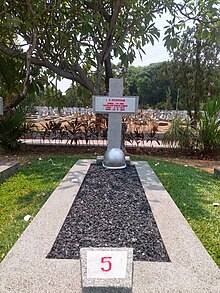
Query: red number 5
[[106, 260]]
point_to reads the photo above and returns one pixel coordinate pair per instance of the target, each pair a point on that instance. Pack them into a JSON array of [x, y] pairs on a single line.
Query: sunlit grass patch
[[25, 193]]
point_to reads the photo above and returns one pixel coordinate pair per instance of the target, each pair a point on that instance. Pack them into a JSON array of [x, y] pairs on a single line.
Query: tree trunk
[[108, 72]]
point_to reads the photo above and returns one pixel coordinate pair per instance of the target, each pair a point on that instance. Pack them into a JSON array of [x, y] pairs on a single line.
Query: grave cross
[[115, 105]]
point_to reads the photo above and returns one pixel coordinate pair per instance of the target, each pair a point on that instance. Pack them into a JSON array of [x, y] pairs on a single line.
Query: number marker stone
[[106, 269]]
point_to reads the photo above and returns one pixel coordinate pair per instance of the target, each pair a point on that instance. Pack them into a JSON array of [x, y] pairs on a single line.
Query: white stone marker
[[106, 269], [115, 105], [1, 106], [105, 264]]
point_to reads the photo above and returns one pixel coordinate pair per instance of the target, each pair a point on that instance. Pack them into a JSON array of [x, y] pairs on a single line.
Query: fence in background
[[140, 139]]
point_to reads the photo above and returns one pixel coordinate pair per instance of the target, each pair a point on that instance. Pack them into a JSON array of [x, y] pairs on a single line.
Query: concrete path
[[25, 269]]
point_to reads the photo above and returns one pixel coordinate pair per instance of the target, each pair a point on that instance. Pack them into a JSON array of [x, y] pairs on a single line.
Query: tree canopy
[[196, 69], [78, 39], [152, 84]]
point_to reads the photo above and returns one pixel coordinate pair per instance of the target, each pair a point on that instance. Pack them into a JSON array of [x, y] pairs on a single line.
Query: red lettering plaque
[[105, 104]]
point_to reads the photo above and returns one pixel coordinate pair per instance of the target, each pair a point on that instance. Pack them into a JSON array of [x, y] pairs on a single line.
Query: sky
[[154, 54], [158, 52]]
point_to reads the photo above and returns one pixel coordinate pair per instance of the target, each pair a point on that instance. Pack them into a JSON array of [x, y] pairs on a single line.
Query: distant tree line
[[188, 81], [153, 87]]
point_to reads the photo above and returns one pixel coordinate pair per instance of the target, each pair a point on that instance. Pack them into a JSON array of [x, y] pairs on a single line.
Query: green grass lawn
[[194, 192]]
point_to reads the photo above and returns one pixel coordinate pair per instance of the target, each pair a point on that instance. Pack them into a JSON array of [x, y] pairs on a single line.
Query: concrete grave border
[[217, 172], [26, 269], [7, 169]]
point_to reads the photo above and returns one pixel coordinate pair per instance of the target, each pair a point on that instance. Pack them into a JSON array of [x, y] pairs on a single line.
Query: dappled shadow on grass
[[48, 170], [33, 197]]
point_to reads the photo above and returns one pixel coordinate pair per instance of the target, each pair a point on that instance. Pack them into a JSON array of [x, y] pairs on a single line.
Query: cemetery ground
[[190, 182]]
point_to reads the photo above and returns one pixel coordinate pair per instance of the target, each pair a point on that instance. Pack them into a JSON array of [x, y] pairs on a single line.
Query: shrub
[[209, 127], [181, 133], [11, 129]]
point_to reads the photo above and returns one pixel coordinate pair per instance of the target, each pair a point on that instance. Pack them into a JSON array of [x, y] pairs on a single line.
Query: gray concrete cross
[[115, 105]]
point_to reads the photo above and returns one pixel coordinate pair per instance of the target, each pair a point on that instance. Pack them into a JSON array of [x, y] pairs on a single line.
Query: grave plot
[[110, 210], [26, 268]]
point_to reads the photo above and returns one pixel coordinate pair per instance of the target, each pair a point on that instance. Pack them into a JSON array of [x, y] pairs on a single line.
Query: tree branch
[[66, 70], [186, 14], [98, 7], [112, 26], [23, 94]]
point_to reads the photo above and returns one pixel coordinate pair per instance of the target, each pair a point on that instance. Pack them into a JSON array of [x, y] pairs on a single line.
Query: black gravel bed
[[110, 210]]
